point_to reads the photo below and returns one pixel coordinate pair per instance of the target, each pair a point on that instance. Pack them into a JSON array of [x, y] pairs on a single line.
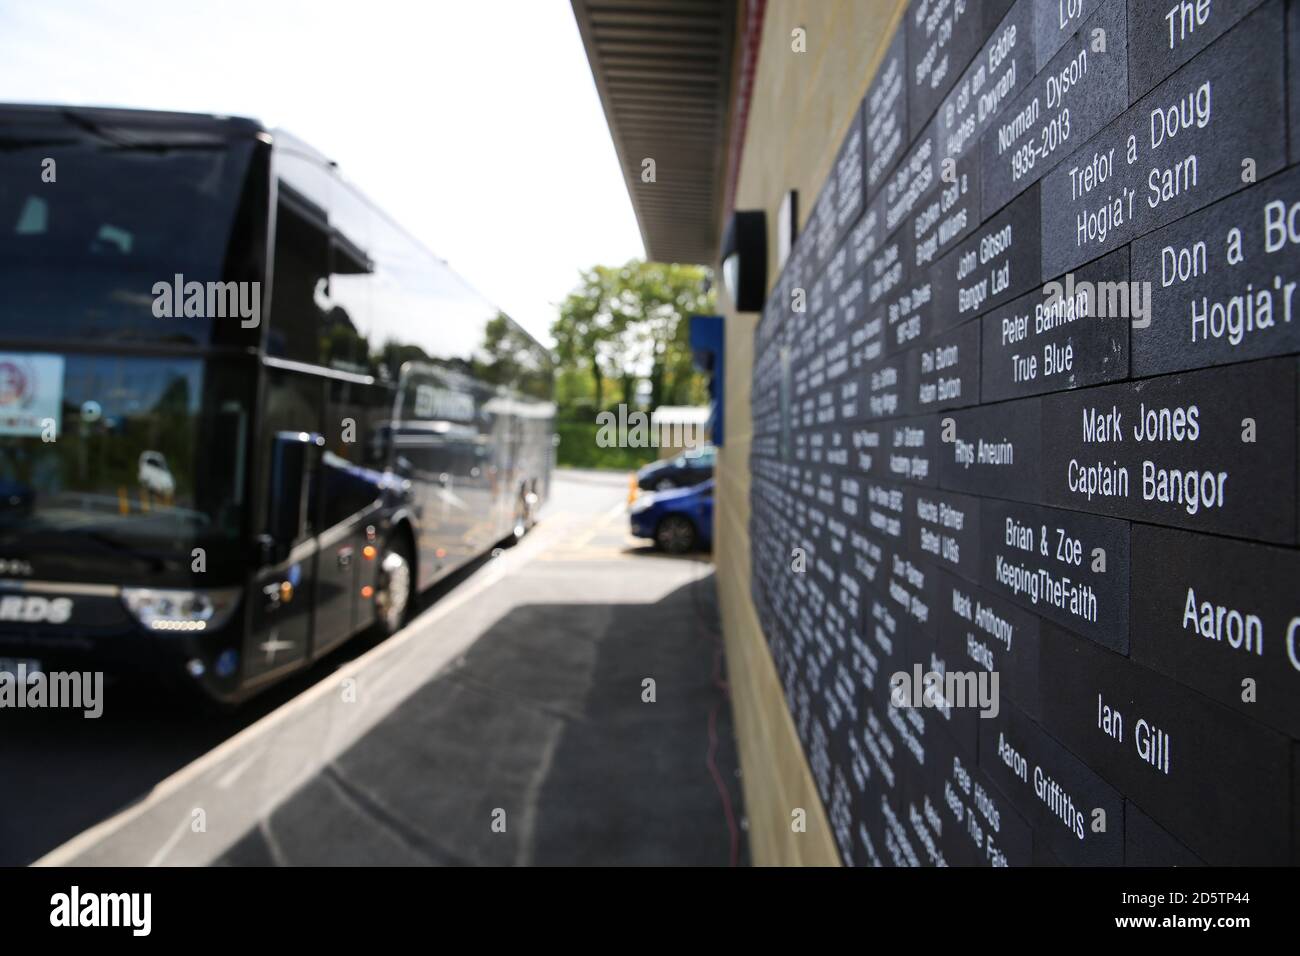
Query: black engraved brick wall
[[1025, 405]]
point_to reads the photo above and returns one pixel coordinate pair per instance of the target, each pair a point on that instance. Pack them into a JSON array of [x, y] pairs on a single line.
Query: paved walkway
[[505, 726]]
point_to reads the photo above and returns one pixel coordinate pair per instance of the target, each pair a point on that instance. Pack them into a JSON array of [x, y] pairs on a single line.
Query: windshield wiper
[[137, 140], [90, 126]]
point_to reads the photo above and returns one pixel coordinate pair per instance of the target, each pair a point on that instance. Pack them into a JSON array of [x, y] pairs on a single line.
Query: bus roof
[[106, 118], [132, 126]]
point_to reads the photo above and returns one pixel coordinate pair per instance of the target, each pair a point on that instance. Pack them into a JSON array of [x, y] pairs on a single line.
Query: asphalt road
[[506, 725]]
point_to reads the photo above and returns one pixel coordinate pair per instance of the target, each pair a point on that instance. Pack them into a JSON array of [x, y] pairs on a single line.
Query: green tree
[[628, 323], [511, 357], [584, 327], [656, 300]]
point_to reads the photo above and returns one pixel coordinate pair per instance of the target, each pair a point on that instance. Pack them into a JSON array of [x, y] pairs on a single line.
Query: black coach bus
[[243, 415]]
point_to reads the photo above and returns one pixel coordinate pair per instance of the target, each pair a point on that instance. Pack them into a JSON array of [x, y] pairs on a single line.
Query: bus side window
[[300, 305], [344, 345], [356, 422], [347, 491]]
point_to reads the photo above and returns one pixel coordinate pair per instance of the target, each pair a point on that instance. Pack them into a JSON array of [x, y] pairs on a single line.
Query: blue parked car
[[689, 468], [679, 519]]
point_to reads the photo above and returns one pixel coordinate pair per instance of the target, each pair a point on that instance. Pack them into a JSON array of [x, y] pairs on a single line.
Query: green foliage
[[578, 448], [628, 324], [510, 357]]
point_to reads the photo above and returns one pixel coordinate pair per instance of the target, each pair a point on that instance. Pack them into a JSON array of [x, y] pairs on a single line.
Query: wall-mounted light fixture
[[787, 226], [744, 259]]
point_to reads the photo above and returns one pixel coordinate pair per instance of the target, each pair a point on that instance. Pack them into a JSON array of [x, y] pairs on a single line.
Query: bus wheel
[[532, 499], [393, 595], [525, 513]]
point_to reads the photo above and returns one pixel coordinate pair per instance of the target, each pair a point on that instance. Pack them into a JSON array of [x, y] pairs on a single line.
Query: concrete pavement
[[507, 725]]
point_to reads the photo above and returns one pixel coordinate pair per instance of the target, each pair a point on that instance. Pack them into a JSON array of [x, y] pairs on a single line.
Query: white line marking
[[166, 848], [237, 771]]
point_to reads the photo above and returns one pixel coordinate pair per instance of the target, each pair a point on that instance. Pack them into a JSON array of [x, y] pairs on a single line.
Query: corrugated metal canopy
[[663, 71]]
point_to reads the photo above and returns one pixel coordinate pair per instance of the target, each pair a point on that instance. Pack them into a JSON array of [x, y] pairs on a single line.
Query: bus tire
[[525, 512], [395, 586], [534, 501]]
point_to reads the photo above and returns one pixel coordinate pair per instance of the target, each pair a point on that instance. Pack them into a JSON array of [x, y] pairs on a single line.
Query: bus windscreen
[[93, 218], [113, 464]]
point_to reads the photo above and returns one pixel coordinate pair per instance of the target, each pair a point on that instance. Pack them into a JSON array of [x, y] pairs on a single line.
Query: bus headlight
[[166, 609]]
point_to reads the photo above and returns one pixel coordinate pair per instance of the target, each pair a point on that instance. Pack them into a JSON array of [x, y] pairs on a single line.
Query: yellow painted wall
[[802, 106]]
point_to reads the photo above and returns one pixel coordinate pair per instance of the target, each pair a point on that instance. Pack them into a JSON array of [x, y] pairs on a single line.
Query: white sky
[[475, 124]]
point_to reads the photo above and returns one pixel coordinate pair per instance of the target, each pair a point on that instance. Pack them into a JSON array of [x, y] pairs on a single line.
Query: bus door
[[350, 507], [340, 545], [291, 420], [347, 503], [282, 593]]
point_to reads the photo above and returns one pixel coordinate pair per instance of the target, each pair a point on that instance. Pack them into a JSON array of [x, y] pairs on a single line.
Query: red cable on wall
[[753, 33]]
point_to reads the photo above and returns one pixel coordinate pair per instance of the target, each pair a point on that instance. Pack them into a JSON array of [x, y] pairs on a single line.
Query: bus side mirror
[[289, 494]]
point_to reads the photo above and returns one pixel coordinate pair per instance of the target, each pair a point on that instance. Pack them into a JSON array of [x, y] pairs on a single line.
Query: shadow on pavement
[[60, 774], [650, 551], [541, 725]]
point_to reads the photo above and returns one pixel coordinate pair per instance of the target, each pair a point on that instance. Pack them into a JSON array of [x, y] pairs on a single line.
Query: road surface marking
[[170, 845]]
